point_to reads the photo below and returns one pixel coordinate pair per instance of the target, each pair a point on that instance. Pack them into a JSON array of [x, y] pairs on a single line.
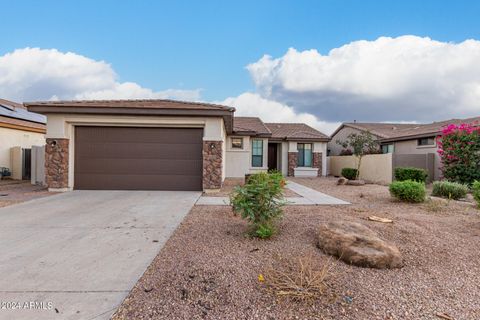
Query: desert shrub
[[435, 205], [410, 173], [408, 190], [260, 201], [459, 150], [349, 173], [476, 192], [302, 278], [449, 190]]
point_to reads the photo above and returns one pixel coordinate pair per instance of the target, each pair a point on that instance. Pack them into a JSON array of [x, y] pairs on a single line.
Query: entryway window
[[257, 153], [304, 154], [237, 143]]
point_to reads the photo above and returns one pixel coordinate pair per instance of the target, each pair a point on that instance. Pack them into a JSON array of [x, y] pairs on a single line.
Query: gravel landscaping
[[17, 191], [209, 269]]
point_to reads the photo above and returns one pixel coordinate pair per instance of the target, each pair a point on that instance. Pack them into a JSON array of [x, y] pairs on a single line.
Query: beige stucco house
[[19, 131], [410, 144], [168, 145]]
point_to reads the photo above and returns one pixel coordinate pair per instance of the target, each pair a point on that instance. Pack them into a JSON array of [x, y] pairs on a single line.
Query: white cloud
[[42, 74], [253, 105], [407, 78]]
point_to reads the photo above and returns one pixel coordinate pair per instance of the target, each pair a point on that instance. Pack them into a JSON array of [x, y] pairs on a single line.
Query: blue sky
[[208, 44]]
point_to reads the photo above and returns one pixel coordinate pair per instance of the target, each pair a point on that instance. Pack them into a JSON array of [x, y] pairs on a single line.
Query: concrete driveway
[[77, 255]]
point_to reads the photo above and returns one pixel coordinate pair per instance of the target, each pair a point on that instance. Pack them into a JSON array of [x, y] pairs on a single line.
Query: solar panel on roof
[[22, 114]]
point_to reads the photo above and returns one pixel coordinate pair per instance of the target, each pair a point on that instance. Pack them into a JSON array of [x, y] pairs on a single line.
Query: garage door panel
[[141, 166], [144, 158], [139, 182], [138, 135], [146, 150]]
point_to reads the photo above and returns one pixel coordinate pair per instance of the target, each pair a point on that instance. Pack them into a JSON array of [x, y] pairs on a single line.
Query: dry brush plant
[[303, 278]]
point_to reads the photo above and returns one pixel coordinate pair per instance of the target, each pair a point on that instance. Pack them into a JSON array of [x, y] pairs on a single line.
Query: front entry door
[[272, 156]]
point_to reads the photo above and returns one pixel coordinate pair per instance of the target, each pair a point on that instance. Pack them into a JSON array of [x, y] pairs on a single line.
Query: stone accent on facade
[[56, 163], [292, 163], [317, 162], [212, 164]]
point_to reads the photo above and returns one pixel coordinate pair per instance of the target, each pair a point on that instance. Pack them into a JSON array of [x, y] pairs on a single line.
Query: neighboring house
[[19, 131], [421, 139], [378, 131], [411, 144], [168, 145]]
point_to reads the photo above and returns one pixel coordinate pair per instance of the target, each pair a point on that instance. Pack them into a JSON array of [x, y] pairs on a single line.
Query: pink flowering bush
[[459, 150]]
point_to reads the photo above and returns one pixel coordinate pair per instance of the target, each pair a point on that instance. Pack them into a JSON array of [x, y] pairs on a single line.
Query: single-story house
[[168, 145], [421, 139], [411, 144], [19, 131], [377, 130]]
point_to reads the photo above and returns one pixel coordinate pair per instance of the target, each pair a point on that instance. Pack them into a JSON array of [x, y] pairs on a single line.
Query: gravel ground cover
[[209, 269], [16, 191]]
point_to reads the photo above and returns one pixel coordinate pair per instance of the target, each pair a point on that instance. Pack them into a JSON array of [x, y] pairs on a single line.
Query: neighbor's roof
[[135, 107], [250, 126], [381, 130], [422, 130], [18, 111], [14, 116], [295, 131]]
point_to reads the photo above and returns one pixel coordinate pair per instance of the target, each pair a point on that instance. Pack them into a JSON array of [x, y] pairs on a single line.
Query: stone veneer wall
[[317, 162], [56, 163], [212, 164], [292, 163]]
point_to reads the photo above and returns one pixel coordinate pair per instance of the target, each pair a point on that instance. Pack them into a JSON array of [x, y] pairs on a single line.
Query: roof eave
[[308, 139], [227, 114], [410, 137]]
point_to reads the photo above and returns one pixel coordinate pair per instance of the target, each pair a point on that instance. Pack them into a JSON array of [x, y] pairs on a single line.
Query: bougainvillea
[[459, 150]]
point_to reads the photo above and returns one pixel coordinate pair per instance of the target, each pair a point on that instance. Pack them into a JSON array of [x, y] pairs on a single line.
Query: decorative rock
[[292, 163], [358, 245], [356, 182], [56, 163], [317, 162], [212, 164], [342, 181]]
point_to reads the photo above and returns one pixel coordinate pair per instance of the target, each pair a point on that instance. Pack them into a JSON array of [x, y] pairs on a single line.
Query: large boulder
[[358, 245]]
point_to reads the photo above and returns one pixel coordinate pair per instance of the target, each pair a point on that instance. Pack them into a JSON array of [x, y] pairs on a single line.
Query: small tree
[[361, 144], [260, 202], [459, 150]]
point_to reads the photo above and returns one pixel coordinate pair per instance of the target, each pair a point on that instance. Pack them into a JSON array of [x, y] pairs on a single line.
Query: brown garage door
[[125, 158]]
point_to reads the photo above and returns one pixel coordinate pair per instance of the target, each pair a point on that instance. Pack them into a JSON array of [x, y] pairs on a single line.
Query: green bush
[[260, 201], [410, 173], [408, 190], [349, 173], [449, 190], [476, 191]]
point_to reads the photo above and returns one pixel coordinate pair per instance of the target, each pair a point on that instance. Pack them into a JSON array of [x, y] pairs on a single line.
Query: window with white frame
[[237, 143], [257, 153], [304, 158]]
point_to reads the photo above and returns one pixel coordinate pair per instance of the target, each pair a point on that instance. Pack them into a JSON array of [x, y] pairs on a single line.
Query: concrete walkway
[[77, 255], [308, 196], [314, 196]]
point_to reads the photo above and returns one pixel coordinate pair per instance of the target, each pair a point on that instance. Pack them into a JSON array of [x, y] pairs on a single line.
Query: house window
[[387, 148], [304, 154], [237, 143], [430, 141], [257, 153]]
